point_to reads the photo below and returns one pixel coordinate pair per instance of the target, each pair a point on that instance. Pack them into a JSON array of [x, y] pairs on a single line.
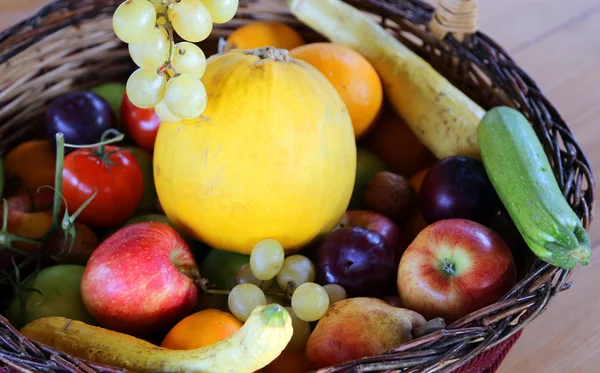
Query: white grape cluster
[[168, 77], [294, 275]]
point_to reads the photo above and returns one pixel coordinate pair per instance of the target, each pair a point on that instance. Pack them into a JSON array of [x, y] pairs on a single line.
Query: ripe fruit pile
[[301, 222], [168, 78]]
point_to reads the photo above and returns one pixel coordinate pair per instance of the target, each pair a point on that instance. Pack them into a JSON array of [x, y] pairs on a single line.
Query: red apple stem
[[203, 285], [194, 274], [429, 327]]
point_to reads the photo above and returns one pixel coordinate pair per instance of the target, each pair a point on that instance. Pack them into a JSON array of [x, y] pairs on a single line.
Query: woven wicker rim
[[36, 65]]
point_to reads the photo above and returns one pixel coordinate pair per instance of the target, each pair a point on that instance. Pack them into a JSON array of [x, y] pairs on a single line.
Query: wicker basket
[[70, 44]]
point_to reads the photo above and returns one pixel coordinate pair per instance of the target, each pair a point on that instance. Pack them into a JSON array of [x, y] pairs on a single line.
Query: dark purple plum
[[359, 260], [458, 188], [82, 117]]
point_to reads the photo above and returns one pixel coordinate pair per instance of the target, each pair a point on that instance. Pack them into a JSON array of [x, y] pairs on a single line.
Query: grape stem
[[167, 65], [203, 285]]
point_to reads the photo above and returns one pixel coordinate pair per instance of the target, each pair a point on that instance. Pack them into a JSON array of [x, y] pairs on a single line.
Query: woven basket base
[[490, 361]]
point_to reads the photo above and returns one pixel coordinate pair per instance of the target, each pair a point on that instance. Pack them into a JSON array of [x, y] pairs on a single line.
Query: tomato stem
[[58, 197], [70, 220], [5, 216], [60, 160], [103, 141], [66, 222]]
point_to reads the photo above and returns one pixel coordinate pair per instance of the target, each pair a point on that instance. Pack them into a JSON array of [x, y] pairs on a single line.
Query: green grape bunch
[[168, 74]]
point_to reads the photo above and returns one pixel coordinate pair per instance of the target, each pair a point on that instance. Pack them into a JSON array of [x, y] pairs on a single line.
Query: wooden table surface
[[557, 42]]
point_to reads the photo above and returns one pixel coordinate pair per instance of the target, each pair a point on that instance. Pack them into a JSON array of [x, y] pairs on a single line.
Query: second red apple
[[455, 267]]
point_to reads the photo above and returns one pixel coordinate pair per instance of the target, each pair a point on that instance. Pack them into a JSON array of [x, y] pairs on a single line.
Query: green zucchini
[[521, 174]]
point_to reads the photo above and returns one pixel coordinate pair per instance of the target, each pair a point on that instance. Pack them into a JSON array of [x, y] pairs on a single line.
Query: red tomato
[[140, 124], [116, 176]]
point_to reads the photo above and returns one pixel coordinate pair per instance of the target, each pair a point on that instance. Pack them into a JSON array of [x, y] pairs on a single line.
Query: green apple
[[113, 93], [59, 294], [367, 166], [220, 267], [144, 159]]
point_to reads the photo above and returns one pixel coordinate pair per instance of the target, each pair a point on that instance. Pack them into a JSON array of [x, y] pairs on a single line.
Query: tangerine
[[397, 145], [201, 329], [353, 77], [290, 362], [265, 34], [417, 179]]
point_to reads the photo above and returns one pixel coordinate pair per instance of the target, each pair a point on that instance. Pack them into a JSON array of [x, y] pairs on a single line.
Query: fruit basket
[[70, 45]]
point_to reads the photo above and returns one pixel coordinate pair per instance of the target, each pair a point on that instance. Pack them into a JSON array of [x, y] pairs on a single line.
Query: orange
[[289, 362], [30, 165], [417, 179], [201, 329], [265, 34], [416, 223], [397, 145], [353, 77]]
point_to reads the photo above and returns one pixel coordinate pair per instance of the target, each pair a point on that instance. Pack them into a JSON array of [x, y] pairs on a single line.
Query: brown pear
[[359, 327]]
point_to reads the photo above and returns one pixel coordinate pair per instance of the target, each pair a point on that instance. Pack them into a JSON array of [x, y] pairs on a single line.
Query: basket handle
[[458, 17]]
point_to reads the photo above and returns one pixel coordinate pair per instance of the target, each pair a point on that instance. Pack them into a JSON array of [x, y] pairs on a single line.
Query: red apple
[[140, 280], [390, 231], [455, 267]]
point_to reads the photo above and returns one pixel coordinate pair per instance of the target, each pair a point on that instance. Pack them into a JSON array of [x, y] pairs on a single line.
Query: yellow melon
[[272, 156]]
